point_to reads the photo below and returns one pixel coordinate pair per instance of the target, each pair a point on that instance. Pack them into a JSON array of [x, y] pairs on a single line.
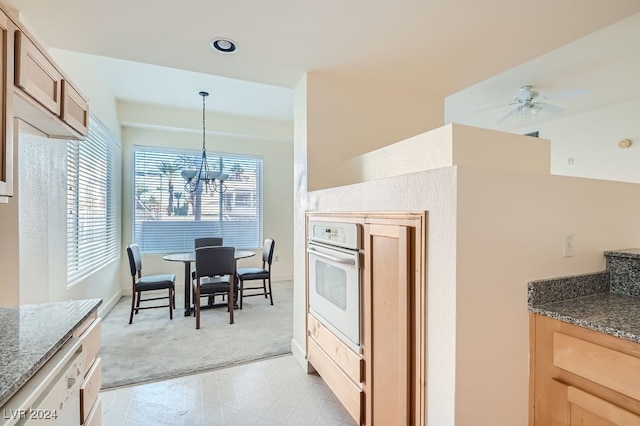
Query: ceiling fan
[[528, 102]]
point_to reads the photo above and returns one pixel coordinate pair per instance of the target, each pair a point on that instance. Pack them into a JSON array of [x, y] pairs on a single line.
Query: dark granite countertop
[[31, 334], [631, 253], [606, 301], [610, 313]]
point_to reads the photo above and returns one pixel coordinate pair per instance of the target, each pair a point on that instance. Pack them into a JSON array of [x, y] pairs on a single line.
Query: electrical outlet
[[277, 258], [569, 245]]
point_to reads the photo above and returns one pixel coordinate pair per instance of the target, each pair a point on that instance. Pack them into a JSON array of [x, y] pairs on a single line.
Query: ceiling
[[157, 51], [604, 66]]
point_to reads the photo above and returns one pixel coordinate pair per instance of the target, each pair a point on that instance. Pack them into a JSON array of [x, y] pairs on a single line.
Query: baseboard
[[299, 354], [105, 308]]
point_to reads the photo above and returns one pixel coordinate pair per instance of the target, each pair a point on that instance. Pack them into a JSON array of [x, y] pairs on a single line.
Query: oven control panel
[[335, 233]]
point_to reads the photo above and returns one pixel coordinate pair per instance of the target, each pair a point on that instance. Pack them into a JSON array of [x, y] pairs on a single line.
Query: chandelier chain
[[204, 115]]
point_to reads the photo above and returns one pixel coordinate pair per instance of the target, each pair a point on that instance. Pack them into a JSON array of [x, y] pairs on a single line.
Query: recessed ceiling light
[[223, 45]]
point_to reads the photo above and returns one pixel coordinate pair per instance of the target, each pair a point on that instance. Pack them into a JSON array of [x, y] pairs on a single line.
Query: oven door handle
[[343, 260]]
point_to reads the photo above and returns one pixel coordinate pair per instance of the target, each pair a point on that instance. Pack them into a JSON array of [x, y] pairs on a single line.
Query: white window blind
[[93, 179], [167, 218]]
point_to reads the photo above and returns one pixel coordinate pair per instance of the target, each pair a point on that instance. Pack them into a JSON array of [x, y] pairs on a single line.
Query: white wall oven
[[334, 259]]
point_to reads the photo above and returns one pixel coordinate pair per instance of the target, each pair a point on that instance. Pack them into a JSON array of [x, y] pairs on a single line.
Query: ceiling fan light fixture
[[528, 109], [223, 45]]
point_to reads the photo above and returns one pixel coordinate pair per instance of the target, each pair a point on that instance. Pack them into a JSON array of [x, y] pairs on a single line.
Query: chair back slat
[[211, 261], [135, 260], [207, 242], [267, 251]]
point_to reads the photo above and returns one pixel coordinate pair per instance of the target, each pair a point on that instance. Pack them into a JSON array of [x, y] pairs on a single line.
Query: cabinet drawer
[[348, 360], [75, 110], [36, 74], [573, 406], [349, 394], [95, 416], [599, 364], [91, 344], [90, 390]]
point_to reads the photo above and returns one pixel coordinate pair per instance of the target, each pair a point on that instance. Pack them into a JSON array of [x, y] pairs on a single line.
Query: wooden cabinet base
[[582, 377], [349, 394]]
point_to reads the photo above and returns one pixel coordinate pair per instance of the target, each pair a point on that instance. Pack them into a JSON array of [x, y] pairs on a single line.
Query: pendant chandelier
[[203, 179]]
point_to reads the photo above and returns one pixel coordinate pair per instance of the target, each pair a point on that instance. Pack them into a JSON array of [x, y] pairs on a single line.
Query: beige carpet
[[156, 348]]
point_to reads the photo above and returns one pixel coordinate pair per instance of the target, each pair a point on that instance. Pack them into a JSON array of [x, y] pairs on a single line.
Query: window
[[93, 179], [167, 218]]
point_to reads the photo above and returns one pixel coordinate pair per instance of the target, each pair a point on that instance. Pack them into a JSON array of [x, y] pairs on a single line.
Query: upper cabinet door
[[75, 110], [7, 30], [37, 75]]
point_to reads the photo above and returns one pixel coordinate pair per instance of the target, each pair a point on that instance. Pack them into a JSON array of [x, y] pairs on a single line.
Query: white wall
[[42, 227], [591, 139], [347, 116], [300, 206], [510, 229], [436, 148]]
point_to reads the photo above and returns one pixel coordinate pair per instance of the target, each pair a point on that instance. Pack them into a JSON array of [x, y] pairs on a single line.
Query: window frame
[[92, 233], [227, 218]]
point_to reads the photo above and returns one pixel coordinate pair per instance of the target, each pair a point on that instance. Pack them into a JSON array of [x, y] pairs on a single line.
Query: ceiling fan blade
[[564, 94], [550, 108], [496, 106], [507, 115]]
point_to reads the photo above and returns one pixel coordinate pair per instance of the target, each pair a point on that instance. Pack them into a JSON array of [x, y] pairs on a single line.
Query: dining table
[[188, 258]]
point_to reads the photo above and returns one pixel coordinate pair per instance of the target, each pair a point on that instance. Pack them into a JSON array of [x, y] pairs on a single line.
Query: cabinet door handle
[[70, 382]]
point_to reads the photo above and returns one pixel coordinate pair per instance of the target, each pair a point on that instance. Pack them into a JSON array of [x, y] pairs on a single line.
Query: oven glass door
[[334, 291]]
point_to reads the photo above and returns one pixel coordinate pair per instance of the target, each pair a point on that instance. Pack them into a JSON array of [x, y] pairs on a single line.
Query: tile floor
[[269, 392]]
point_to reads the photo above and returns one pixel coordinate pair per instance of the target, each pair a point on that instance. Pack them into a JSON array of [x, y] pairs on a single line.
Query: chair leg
[[196, 303], [270, 292], [133, 304], [264, 288], [230, 297], [171, 295], [240, 293], [138, 298]]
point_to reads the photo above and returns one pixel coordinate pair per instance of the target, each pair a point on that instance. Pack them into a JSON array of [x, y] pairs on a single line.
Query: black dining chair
[[215, 274], [263, 274], [140, 284], [206, 242]]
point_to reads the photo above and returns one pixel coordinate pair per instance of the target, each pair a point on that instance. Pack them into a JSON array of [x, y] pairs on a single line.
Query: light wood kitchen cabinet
[[90, 333], [582, 377], [7, 30], [385, 384], [340, 367], [74, 109], [575, 407], [37, 75], [45, 98], [393, 319]]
